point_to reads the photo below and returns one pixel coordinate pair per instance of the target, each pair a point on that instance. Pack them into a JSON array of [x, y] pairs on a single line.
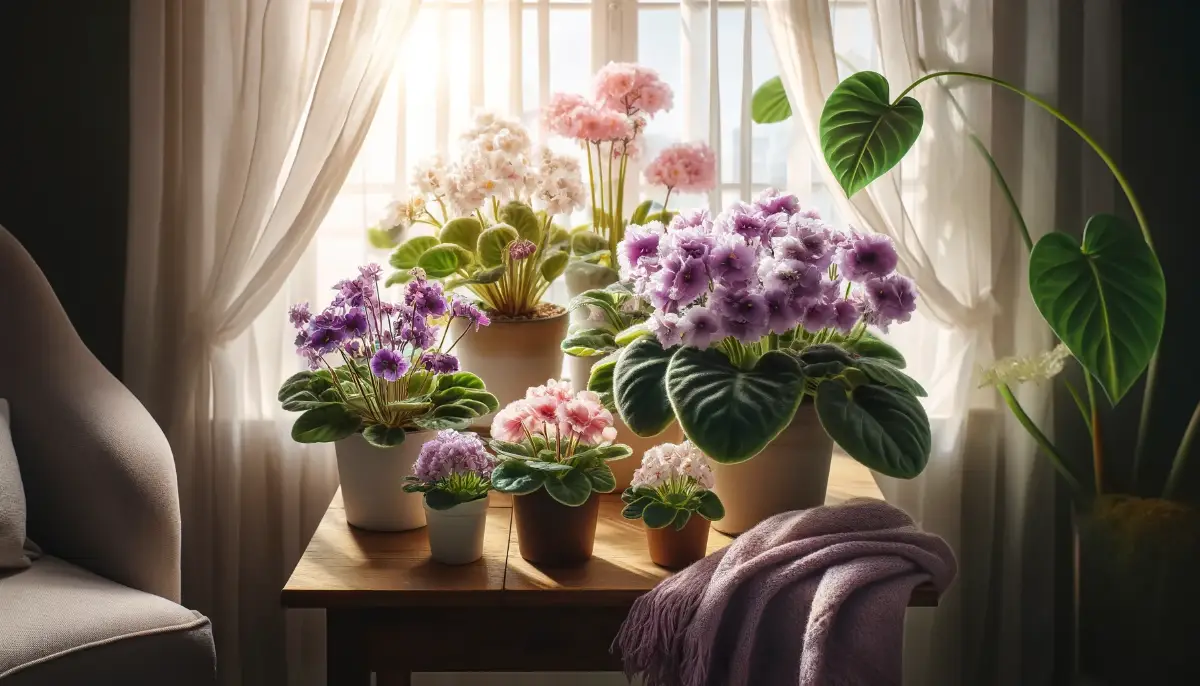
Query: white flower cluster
[[674, 466], [496, 161], [400, 214], [1016, 370]]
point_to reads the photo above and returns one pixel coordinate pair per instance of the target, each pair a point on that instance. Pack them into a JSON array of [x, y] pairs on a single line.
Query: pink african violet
[[685, 167], [553, 411]]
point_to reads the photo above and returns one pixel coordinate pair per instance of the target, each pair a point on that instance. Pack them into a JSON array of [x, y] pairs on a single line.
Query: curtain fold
[[247, 116], [984, 489]]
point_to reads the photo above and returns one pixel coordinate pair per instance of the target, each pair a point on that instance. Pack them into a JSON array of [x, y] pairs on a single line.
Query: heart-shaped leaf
[[635, 507], [444, 259], [296, 383], [885, 374], [601, 379], [710, 506], [516, 477], [770, 103], [658, 514], [325, 424], [492, 243], [508, 448], [641, 212], [402, 276], [548, 466], [587, 242], [640, 389], [463, 231], [603, 453], [457, 393], [382, 436], [554, 265], [378, 238], [731, 414], [304, 400], [459, 380], [682, 516], [437, 423], [631, 333], [1105, 299], [863, 133], [522, 218], [477, 408], [870, 346], [406, 256], [884, 428], [601, 477], [571, 488], [438, 499]]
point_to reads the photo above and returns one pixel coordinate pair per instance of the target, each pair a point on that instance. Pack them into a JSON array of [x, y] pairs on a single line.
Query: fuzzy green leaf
[[325, 424], [871, 346], [463, 232], [601, 477], [382, 436], [885, 374], [459, 380], [710, 506], [603, 453], [492, 243], [444, 259], [588, 343], [410, 251], [519, 216], [553, 266], [641, 212], [516, 477], [884, 428], [587, 242], [658, 514], [571, 488], [640, 388]]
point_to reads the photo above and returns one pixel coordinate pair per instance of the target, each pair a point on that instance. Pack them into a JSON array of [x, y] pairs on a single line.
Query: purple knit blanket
[[814, 597]]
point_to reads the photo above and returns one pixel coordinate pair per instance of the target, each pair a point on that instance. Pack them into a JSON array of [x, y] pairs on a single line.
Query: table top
[[344, 567]]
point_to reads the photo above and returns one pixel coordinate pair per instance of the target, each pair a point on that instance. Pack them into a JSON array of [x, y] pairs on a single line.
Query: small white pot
[[791, 473], [373, 483], [510, 355], [456, 534]]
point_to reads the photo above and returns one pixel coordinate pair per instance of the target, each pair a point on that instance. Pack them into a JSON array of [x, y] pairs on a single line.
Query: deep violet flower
[[890, 299], [299, 315], [846, 315], [440, 363], [388, 365], [870, 256], [356, 323], [326, 340], [818, 316], [329, 319]]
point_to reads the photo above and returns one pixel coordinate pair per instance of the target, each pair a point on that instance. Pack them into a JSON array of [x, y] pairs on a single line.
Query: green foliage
[[444, 259], [570, 474], [463, 232], [382, 436], [640, 387], [871, 346], [1105, 299], [770, 103], [571, 488], [883, 373], [554, 265], [884, 428], [665, 506], [517, 477], [587, 243], [641, 212], [588, 343], [601, 379], [325, 424], [492, 244], [519, 216], [731, 413], [863, 133], [410, 251]]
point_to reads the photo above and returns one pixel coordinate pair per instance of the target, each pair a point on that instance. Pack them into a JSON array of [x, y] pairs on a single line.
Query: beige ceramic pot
[[373, 479], [511, 355], [792, 473]]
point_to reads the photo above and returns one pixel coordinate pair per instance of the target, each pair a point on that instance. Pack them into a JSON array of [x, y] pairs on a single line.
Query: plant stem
[[1185, 447], [667, 199], [1047, 447], [1097, 439], [591, 181], [1083, 410]]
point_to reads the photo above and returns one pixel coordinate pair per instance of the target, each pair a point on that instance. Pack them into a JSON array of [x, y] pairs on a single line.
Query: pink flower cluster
[[553, 411], [625, 95], [686, 167]]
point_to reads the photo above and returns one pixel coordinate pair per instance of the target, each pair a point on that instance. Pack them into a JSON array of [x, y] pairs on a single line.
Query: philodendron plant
[[754, 312], [556, 440], [389, 375], [1104, 296]]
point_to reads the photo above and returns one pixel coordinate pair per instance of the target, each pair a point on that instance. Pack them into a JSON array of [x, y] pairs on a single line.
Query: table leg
[[345, 653]]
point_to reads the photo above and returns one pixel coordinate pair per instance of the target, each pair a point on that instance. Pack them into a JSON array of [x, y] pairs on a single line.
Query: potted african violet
[[454, 472], [489, 239], [554, 447], [379, 387], [672, 495], [759, 344]]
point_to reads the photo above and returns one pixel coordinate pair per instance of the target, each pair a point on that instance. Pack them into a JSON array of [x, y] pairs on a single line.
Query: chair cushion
[[12, 501], [61, 624]]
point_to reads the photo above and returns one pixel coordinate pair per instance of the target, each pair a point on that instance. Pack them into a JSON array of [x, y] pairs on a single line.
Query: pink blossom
[[558, 112], [560, 390], [686, 167], [586, 417], [631, 88], [544, 409], [511, 423]]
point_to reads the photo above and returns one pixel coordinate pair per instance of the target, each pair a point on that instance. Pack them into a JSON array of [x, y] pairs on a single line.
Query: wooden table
[[392, 611]]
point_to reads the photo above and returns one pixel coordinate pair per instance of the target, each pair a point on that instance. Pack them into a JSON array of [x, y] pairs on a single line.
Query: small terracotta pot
[[677, 549], [552, 534]]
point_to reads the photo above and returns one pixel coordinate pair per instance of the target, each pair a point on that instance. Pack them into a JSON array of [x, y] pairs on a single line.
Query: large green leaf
[[325, 424], [603, 453], [710, 507], [641, 212], [459, 379], [516, 477], [883, 373], [492, 243], [463, 231], [601, 477], [553, 266], [378, 238], [658, 514], [884, 428], [587, 242], [519, 216], [444, 259], [571, 488], [489, 275], [729, 413], [588, 343], [640, 387], [601, 379], [770, 103], [406, 256], [863, 133], [382, 436], [1105, 299], [296, 383], [870, 346]]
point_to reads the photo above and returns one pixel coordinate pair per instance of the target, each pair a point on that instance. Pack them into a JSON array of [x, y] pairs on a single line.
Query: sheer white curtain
[[983, 486], [246, 118]]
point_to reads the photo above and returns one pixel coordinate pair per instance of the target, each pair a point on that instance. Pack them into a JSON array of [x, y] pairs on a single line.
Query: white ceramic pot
[[792, 473], [511, 355], [373, 483], [456, 535]]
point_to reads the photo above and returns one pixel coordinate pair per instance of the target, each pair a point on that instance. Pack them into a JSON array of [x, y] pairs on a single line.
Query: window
[[509, 56]]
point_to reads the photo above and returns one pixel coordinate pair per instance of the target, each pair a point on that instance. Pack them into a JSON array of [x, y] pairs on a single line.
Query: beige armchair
[[100, 605]]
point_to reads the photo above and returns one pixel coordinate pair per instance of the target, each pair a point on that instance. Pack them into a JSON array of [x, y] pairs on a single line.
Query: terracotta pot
[[580, 369], [791, 473], [511, 355], [456, 534], [552, 534], [677, 549], [372, 480], [1137, 561]]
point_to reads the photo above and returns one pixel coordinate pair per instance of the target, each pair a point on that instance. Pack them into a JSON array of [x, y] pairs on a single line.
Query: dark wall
[[64, 154]]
